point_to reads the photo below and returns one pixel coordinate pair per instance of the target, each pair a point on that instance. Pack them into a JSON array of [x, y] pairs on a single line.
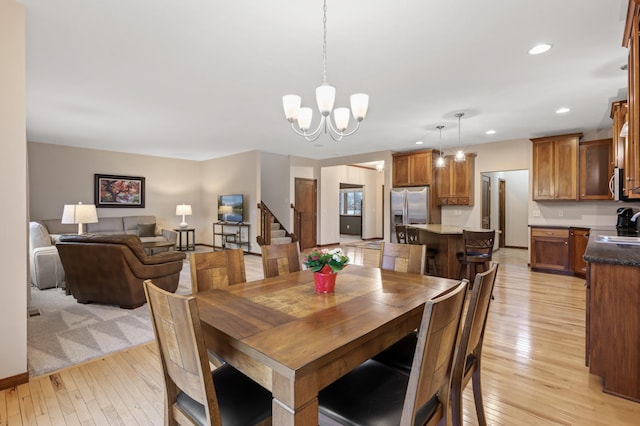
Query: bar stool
[[478, 250], [430, 256], [401, 234]]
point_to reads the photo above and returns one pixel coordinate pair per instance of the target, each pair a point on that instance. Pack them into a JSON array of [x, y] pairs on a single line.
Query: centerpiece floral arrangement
[[326, 261]]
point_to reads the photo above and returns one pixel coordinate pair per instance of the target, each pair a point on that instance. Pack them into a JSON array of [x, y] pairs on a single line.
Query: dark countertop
[[616, 254]]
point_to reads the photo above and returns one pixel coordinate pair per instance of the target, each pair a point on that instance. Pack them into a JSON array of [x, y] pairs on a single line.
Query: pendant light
[[459, 153], [440, 161]]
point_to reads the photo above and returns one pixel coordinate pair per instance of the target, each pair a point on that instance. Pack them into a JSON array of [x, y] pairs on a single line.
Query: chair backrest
[[478, 244], [402, 257], [280, 259], [401, 234], [433, 359], [183, 354], [217, 269], [413, 235], [470, 344]]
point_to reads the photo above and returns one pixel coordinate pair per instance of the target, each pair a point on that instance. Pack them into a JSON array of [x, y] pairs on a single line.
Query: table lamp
[[79, 213], [183, 209]]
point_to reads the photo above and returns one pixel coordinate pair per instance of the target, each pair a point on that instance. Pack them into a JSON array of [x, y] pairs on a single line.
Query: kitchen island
[[612, 342]]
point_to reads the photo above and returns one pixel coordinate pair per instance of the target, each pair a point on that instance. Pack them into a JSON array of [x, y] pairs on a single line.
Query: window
[[351, 202]]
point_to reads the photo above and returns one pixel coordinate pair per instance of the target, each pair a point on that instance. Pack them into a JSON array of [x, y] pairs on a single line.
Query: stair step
[[281, 240], [278, 233], [275, 225]]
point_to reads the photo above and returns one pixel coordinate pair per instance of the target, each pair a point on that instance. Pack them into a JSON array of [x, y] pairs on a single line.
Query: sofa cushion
[[146, 230], [130, 223], [106, 225]]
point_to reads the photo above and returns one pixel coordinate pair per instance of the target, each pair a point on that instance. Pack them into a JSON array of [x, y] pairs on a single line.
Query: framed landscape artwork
[[118, 191]]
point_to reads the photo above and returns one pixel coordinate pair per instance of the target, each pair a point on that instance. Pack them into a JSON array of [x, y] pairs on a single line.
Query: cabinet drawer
[[550, 232]]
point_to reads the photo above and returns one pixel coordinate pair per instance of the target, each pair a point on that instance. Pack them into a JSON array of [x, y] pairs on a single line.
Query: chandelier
[[325, 97]]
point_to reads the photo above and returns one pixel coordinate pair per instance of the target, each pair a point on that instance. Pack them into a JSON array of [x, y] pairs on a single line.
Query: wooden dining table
[[295, 342]]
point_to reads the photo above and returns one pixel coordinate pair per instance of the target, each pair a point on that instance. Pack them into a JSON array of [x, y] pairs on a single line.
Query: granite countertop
[[437, 228], [605, 252]]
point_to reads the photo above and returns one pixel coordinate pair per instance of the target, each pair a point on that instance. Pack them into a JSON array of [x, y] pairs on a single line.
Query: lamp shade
[[79, 213], [183, 209]]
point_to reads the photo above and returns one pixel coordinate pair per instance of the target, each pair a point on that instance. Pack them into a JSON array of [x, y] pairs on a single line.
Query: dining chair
[[376, 394], [402, 257], [469, 351], [477, 253], [401, 234], [193, 394], [217, 269], [279, 259]]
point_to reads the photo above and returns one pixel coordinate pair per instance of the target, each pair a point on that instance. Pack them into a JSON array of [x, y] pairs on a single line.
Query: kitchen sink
[[615, 239]]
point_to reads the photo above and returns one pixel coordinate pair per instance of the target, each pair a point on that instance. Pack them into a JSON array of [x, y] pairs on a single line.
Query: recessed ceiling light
[[539, 48], [562, 110], [419, 143], [490, 132]]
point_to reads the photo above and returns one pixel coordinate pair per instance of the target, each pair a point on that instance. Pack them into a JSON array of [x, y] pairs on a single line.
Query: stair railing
[[266, 219]]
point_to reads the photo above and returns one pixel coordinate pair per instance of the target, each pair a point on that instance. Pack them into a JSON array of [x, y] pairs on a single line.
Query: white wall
[[275, 180], [13, 173], [235, 174], [61, 175]]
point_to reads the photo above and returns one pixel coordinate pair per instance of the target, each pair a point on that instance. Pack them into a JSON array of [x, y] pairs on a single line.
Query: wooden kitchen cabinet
[[596, 169], [413, 168], [619, 116], [578, 239], [550, 249], [632, 143], [455, 181], [555, 167]]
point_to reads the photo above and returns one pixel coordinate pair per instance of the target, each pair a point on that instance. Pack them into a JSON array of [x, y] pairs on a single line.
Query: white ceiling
[[199, 79]]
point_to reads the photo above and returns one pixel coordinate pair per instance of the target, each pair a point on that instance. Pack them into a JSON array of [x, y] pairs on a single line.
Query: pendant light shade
[[440, 161], [459, 152]]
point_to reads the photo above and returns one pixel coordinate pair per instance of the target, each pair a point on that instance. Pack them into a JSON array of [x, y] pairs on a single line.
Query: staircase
[[271, 230], [279, 234]]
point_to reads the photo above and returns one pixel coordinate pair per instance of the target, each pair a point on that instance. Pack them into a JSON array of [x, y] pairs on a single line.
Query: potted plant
[[325, 264]]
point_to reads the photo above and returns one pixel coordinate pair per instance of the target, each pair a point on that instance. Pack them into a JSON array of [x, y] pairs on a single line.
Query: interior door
[[305, 197], [502, 209]]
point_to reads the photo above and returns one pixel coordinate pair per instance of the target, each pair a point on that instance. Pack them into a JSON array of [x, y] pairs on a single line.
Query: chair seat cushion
[[241, 400], [474, 257], [400, 354], [372, 394]]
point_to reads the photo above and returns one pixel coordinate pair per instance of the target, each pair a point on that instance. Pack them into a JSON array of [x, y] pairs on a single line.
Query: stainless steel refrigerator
[[409, 206]]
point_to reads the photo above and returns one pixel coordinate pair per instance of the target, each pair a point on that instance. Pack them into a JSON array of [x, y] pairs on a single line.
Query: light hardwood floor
[[533, 365]]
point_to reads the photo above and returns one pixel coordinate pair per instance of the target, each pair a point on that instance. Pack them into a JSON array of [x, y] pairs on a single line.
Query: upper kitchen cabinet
[[413, 168], [555, 167], [596, 169], [631, 144], [619, 112], [454, 181]]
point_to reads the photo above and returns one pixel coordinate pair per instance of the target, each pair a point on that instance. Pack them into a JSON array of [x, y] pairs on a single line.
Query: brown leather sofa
[[111, 268]]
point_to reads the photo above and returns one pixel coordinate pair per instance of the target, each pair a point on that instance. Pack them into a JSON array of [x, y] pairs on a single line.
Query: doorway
[[506, 204], [350, 210]]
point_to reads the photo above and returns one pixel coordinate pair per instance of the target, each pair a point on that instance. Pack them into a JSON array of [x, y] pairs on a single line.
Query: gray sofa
[[45, 267]]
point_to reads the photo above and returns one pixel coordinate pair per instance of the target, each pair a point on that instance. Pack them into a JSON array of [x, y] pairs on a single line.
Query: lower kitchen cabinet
[[550, 250], [559, 250]]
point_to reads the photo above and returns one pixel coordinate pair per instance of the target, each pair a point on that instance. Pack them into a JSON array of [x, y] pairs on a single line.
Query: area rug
[[64, 332]]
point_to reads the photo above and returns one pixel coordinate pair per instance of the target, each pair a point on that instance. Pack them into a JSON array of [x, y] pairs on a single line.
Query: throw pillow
[[146, 230]]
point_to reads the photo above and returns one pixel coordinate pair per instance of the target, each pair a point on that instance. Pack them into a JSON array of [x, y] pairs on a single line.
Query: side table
[[190, 243]]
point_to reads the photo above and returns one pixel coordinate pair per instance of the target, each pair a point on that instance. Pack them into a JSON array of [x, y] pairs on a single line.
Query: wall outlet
[[347, 226], [535, 213]]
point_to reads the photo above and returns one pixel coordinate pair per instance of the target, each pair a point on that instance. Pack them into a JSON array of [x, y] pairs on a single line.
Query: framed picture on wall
[[118, 191]]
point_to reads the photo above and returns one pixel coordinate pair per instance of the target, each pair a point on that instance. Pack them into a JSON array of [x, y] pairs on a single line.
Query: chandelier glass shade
[[460, 152], [325, 98]]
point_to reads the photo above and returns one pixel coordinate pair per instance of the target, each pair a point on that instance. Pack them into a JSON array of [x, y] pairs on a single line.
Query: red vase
[[325, 283]]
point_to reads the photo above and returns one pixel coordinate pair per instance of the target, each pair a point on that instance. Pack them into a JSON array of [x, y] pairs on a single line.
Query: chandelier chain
[[324, 44]]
